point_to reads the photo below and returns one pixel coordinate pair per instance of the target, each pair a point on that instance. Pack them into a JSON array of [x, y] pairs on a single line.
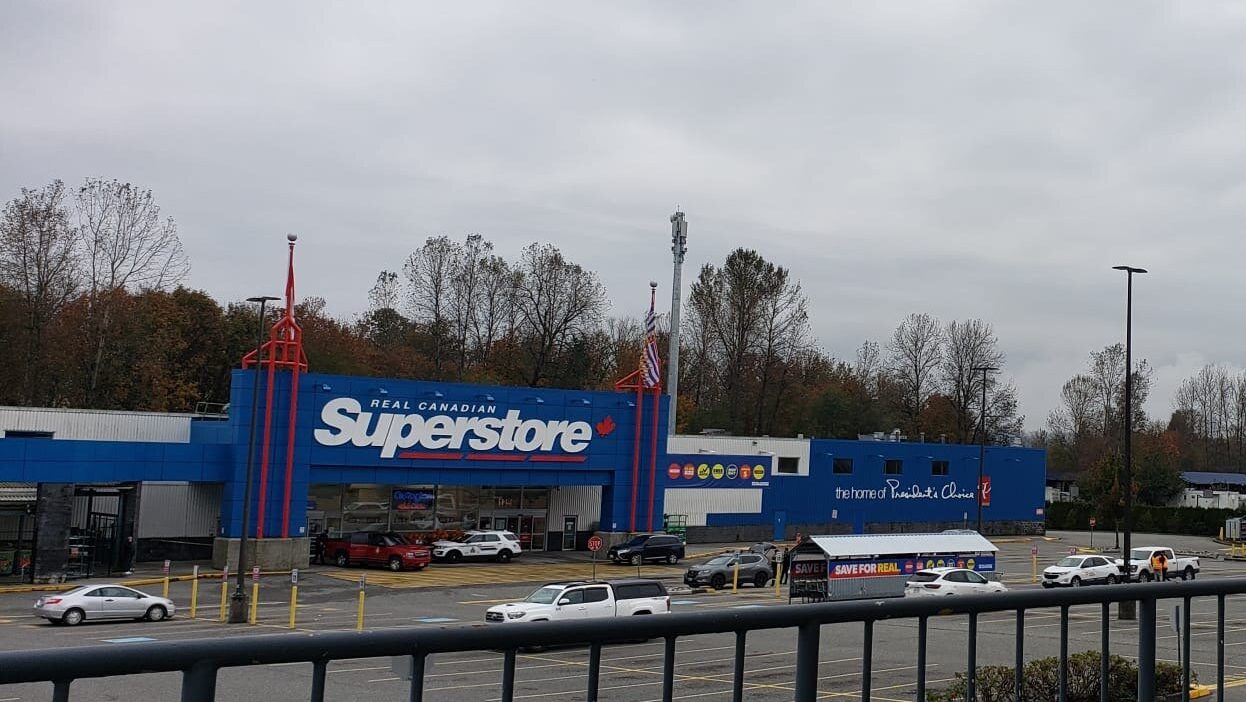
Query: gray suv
[[718, 571]]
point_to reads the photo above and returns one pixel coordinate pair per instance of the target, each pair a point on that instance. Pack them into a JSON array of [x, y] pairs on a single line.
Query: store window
[[893, 466], [507, 498], [365, 508], [412, 508], [536, 498], [458, 507], [789, 465], [324, 509], [938, 468], [842, 466]]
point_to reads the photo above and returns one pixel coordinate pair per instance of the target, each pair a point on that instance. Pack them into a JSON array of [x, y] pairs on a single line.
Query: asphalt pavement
[[630, 673]]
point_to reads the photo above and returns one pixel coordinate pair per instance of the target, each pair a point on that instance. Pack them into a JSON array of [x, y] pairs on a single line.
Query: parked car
[[585, 600], [92, 602], [648, 547], [1140, 568], [377, 548], [949, 581], [718, 571], [1075, 571], [500, 546]]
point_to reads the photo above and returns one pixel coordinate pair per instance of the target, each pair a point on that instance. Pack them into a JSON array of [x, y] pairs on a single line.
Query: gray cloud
[[969, 160]]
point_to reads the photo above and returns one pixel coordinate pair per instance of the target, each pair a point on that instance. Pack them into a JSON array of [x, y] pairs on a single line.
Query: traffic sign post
[[1092, 532], [594, 545]]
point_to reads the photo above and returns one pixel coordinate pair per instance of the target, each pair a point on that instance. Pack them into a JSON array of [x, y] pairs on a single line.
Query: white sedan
[[91, 602], [1075, 571], [949, 581]]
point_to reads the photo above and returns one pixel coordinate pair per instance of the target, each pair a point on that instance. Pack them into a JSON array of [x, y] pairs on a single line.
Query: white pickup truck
[[585, 599], [1141, 569]]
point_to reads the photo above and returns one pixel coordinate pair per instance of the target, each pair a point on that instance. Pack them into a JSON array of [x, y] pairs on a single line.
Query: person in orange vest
[[1163, 566], [1154, 565]]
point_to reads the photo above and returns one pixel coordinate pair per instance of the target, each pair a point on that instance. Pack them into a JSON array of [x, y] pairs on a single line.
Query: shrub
[[1191, 521], [1042, 681]]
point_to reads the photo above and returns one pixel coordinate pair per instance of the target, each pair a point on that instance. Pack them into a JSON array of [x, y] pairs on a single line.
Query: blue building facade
[[556, 465]]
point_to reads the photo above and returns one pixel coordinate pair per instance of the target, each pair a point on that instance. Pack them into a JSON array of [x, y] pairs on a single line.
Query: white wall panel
[[171, 510], [698, 502], [584, 501], [98, 425], [745, 446]]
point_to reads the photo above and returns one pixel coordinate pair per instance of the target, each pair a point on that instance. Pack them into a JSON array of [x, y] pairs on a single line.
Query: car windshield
[[636, 541], [1069, 562], [718, 560], [545, 595], [1139, 554]]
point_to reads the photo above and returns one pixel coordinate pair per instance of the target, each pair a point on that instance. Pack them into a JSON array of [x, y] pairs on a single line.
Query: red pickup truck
[[377, 548]]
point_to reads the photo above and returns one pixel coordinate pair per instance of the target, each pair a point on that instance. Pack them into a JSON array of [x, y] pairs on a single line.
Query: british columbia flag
[[650, 366]]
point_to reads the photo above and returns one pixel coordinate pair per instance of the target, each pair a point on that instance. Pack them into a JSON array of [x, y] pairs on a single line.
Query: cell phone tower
[[679, 247]]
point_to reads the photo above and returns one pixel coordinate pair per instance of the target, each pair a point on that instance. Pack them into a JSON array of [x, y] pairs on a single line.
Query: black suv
[[648, 547]]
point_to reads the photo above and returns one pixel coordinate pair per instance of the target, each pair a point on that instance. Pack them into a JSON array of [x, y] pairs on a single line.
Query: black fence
[[200, 661]]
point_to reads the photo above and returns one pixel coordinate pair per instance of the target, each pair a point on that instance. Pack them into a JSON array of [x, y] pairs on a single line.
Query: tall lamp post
[[238, 601], [1128, 609], [982, 439]]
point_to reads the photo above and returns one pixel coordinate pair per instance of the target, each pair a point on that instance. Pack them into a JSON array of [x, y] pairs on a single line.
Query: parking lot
[[630, 672]]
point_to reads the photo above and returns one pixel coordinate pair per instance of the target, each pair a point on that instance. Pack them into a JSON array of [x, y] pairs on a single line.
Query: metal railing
[[200, 660]]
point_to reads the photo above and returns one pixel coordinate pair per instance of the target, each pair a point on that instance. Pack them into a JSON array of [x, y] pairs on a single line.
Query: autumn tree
[[556, 303], [916, 350], [39, 262]]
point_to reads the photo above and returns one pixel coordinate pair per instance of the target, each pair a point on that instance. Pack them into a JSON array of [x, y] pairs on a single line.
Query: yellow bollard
[[778, 587], [1033, 569], [294, 594], [194, 592], [735, 576], [359, 616], [165, 570], [224, 591], [255, 594]]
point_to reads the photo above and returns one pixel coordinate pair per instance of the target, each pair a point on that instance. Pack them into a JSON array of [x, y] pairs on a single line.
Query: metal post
[[1146, 651], [319, 669], [737, 678], [1019, 661], [971, 673], [594, 670], [1125, 610], [1064, 654], [417, 677], [679, 246], [1220, 648], [982, 440], [508, 675], [199, 682], [238, 602], [807, 662], [921, 658], [1104, 654], [668, 670], [1185, 652], [867, 660]]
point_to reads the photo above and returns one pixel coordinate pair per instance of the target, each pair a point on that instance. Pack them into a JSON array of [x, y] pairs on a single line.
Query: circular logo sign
[[718, 471], [594, 543], [758, 473], [703, 471], [732, 471], [746, 472], [690, 471], [673, 472]]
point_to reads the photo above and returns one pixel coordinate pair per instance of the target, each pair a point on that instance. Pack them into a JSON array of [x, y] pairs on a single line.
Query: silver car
[[102, 602], [719, 571]]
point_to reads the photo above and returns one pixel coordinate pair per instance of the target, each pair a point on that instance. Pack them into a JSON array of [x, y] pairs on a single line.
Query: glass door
[[538, 533]]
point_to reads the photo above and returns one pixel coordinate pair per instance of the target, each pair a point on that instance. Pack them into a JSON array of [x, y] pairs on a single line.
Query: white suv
[[500, 546]]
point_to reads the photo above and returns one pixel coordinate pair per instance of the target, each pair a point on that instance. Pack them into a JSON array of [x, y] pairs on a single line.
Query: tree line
[[93, 314]]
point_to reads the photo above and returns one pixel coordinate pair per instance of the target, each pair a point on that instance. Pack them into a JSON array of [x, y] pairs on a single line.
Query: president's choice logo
[[348, 423]]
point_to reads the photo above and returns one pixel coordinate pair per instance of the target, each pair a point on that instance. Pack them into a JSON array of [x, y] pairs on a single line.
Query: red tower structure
[[284, 349], [647, 377]]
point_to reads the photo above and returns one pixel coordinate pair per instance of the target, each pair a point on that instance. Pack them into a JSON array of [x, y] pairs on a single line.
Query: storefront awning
[[871, 545]]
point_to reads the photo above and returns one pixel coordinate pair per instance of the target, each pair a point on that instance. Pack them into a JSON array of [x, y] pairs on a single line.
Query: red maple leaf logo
[[605, 426]]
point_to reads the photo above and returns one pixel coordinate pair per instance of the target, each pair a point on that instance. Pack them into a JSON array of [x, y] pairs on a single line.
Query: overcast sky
[[988, 160]]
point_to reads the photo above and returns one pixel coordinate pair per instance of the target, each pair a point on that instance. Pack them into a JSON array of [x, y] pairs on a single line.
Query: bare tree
[[968, 345], [495, 312], [385, 294], [916, 349], [127, 246], [784, 339], [465, 292], [39, 260], [429, 273], [555, 300], [1079, 413], [868, 367]]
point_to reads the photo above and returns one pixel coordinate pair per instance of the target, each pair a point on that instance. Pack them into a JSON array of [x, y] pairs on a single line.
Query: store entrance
[[530, 527]]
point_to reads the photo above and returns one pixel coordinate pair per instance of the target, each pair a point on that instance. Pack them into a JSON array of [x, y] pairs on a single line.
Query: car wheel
[[1076, 581], [1148, 576], [504, 556], [1187, 574], [395, 564], [341, 559], [719, 581], [672, 558], [156, 613], [454, 556], [73, 617], [761, 579], [636, 560], [1111, 580]]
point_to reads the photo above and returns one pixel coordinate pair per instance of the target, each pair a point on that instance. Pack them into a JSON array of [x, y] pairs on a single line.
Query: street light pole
[[982, 439], [238, 601], [1128, 609]]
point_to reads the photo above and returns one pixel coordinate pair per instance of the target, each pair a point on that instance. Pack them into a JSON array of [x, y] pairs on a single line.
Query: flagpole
[[656, 373]]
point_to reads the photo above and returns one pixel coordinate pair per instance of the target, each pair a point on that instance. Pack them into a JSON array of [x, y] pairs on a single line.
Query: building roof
[[866, 545], [1205, 477]]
